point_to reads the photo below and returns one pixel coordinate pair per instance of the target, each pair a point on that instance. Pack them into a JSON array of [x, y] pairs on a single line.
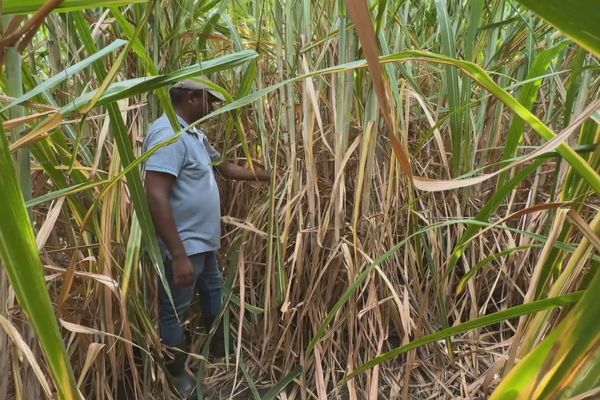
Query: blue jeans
[[208, 282]]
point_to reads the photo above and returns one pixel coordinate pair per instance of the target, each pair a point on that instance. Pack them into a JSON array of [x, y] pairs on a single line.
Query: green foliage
[[22, 263], [29, 6], [342, 251], [579, 20]]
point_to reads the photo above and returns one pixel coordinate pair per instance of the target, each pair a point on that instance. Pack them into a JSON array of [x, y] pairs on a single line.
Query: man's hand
[[232, 171], [183, 271]]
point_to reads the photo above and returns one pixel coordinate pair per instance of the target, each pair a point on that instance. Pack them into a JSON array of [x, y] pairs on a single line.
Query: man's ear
[[190, 97]]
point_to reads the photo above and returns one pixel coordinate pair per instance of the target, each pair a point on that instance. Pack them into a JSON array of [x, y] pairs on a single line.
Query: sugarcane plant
[[431, 228]]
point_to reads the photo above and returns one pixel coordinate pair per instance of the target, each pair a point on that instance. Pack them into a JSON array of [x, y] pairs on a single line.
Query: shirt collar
[[187, 128]]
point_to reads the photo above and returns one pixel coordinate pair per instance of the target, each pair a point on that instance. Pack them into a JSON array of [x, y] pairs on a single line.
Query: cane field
[[431, 229]]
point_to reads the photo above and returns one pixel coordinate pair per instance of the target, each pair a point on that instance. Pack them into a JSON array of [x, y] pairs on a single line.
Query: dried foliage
[[347, 277]]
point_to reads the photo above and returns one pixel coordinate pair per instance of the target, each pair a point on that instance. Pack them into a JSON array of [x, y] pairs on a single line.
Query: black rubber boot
[[182, 381]]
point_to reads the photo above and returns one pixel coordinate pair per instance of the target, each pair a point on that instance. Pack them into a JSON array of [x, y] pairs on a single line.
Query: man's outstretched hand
[[230, 170]]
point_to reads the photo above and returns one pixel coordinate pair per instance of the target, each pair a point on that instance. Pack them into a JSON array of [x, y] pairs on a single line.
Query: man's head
[[193, 100]]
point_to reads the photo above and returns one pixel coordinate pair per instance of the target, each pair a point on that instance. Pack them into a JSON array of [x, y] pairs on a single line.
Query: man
[[184, 202]]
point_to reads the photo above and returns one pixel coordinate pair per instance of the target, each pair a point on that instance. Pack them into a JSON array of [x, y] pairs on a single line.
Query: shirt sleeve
[[168, 159], [212, 153]]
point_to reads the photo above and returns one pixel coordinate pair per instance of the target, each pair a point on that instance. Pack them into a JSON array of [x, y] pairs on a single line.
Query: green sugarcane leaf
[[132, 87], [477, 73], [66, 191], [131, 170], [460, 141], [249, 380], [580, 20], [481, 322], [489, 259], [31, 6], [65, 74], [488, 209], [275, 390], [364, 275], [21, 259], [528, 95], [567, 353]]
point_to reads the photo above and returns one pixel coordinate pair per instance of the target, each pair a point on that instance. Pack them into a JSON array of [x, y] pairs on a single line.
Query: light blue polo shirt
[[195, 195]]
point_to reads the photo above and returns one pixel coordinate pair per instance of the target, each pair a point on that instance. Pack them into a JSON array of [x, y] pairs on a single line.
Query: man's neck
[[184, 116]]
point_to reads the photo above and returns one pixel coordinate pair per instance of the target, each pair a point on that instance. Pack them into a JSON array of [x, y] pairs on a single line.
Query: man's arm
[[232, 171], [158, 188]]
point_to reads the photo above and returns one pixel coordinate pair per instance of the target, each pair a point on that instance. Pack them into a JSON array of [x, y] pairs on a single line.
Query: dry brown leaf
[[436, 132], [91, 355], [432, 185], [247, 226], [23, 120], [48, 225], [321, 391], [76, 328], [17, 339], [103, 279], [584, 228], [361, 16], [36, 106], [38, 133]]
